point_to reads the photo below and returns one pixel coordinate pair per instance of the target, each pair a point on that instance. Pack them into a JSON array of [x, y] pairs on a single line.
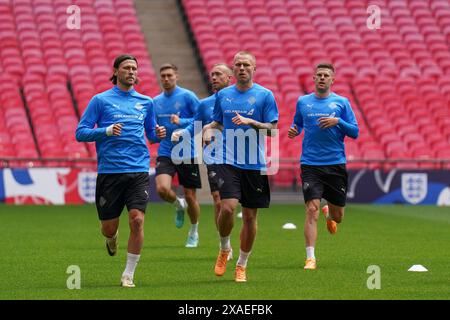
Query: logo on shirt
[[309, 105], [251, 112], [116, 106], [138, 106], [177, 105], [251, 100], [240, 111], [229, 99], [333, 105]]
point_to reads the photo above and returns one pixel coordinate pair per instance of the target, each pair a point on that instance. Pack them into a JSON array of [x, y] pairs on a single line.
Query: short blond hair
[[245, 53], [225, 66]]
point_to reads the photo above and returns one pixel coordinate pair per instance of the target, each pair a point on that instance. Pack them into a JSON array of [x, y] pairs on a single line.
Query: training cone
[[289, 226], [418, 268]]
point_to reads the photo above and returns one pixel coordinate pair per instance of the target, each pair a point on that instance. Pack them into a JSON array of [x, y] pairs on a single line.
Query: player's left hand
[[207, 135], [176, 136], [325, 122], [240, 120], [175, 119], [293, 132]]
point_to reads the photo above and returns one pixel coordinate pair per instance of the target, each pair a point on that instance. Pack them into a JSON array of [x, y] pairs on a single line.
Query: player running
[[326, 119]]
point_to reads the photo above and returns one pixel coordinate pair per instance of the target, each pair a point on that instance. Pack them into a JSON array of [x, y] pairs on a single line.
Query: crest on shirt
[[138, 106], [177, 105], [251, 100], [333, 105]]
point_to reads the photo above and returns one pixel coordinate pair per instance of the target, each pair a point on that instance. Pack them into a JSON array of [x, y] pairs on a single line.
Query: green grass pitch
[[39, 243]]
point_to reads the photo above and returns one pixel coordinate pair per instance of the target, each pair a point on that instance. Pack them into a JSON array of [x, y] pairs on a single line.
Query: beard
[[322, 89]]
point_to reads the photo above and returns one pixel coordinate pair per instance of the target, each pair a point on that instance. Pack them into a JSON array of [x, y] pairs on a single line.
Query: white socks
[[132, 260], [243, 257], [310, 253], [225, 243], [194, 229]]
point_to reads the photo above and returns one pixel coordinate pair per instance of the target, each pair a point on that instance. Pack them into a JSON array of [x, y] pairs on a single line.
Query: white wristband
[[109, 130]]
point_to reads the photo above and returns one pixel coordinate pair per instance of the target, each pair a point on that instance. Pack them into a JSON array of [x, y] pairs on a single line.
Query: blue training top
[[183, 103], [204, 115], [324, 146], [244, 146], [127, 152]]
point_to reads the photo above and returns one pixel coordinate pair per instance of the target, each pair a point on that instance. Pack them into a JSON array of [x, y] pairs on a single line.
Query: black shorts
[[188, 174], [328, 182], [116, 190], [250, 187], [213, 178]]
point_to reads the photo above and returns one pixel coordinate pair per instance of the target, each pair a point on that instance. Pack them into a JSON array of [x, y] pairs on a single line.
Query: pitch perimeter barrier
[[72, 181]]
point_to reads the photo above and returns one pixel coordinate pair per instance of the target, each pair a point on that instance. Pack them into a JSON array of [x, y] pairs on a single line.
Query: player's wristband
[[109, 130]]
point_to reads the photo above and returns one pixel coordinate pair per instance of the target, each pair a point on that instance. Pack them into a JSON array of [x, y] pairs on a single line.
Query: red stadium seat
[[42, 56]]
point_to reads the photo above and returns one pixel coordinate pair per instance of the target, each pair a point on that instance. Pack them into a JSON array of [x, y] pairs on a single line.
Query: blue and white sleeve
[[348, 122], [270, 112], [150, 123], [198, 117], [298, 117], [217, 112], [85, 131], [188, 114]]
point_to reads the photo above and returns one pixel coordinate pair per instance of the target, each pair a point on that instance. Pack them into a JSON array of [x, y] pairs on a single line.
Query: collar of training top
[[124, 93]]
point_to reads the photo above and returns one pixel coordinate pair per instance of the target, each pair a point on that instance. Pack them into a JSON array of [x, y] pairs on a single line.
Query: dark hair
[[325, 65], [117, 63], [165, 66]]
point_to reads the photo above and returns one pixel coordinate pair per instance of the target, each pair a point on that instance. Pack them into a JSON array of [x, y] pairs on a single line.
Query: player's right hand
[[174, 118], [176, 136], [207, 134], [160, 132], [293, 132]]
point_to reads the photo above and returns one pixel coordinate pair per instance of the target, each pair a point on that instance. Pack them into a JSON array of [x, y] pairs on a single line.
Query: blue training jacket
[[127, 152], [324, 146]]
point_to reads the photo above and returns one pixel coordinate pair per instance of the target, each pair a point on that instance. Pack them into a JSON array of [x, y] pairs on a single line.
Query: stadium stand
[[396, 77], [50, 71]]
